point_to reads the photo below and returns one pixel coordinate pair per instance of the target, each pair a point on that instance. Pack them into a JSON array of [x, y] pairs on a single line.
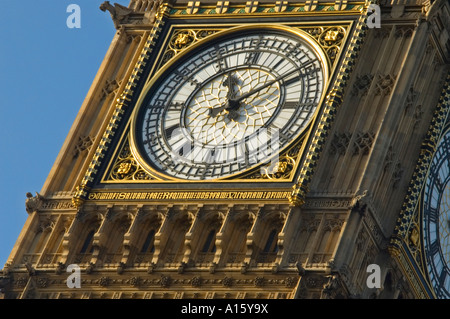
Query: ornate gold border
[[226, 9], [202, 195], [164, 12]]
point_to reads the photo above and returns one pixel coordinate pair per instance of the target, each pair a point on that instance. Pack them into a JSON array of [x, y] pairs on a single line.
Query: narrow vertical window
[[271, 245], [87, 242], [149, 243], [210, 245]]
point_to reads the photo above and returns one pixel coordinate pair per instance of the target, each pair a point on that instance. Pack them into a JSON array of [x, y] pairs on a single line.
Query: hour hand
[[230, 105], [230, 82], [213, 112]]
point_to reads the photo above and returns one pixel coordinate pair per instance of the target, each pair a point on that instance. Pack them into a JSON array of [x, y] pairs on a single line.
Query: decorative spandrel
[[330, 39], [126, 168], [281, 168], [182, 39]]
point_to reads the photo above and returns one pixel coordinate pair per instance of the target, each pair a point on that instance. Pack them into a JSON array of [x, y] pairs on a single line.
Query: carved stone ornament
[[363, 143], [384, 84], [165, 281], [196, 281], [290, 282], [339, 143], [119, 13], [84, 143], [104, 281], [33, 203], [227, 282], [362, 85], [259, 281], [332, 288], [135, 281]]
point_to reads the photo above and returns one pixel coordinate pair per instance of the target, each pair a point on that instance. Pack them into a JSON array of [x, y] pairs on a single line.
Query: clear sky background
[[46, 70]]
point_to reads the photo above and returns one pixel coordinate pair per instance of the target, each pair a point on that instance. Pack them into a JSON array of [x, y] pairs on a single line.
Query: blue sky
[[46, 70]]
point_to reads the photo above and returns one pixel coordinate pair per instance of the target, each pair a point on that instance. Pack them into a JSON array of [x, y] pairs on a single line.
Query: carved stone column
[[189, 235], [250, 243], [99, 237]]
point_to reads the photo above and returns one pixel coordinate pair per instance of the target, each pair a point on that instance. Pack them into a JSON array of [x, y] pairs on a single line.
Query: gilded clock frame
[[106, 150], [311, 32]]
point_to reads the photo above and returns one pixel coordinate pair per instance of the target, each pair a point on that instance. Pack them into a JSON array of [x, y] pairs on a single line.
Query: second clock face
[[436, 219], [230, 103]]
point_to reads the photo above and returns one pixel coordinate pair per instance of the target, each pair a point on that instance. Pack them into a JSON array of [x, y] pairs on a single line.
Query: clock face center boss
[[229, 103]]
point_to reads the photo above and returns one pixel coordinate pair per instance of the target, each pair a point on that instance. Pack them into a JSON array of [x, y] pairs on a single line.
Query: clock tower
[[252, 149]]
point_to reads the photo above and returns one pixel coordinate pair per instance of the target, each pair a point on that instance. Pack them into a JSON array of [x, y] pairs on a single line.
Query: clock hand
[[214, 111], [233, 104], [229, 105], [230, 82], [256, 90]]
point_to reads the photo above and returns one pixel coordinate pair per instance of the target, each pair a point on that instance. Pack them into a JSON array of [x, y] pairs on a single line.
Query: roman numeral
[[304, 65], [252, 57], [176, 106], [221, 62], [281, 135], [186, 149], [168, 131], [151, 139], [210, 156], [293, 80], [186, 78], [204, 171], [434, 247], [442, 277], [245, 152], [296, 105], [433, 215]]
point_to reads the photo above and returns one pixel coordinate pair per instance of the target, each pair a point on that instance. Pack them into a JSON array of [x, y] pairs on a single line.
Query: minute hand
[[250, 93]]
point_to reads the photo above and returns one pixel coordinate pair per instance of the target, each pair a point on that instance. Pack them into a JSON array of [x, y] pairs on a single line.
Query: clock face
[[436, 220], [229, 103]]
